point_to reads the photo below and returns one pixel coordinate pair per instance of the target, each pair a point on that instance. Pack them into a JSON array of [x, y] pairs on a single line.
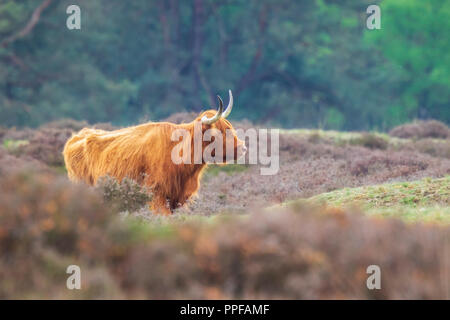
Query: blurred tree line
[[289, 63]]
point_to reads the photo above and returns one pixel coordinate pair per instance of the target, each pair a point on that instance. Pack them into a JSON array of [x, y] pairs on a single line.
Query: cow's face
[[217, 121], [225, 129]]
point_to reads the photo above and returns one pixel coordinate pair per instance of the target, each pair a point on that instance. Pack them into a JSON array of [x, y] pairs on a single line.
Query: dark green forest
[[289, 63]]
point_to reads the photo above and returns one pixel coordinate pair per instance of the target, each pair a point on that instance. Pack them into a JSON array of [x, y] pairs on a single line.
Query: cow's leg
[[159, 205]]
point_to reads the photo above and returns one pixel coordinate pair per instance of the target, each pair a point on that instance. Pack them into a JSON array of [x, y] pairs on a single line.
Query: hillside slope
[[422, 200]]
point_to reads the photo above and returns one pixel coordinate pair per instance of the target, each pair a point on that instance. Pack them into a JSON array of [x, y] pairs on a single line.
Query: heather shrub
[[46, 145], [46, 224], [314, 137], [76, 125], [291, 145], [104, 126], [181, 117], [301, 252], [69, 124], [371, 141], [10, 163], [422, 129], [127, 194], [432, 147], [404, 163], [16, 134], [243, 124]]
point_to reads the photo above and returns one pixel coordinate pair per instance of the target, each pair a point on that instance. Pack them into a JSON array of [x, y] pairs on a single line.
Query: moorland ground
[[340, 202]]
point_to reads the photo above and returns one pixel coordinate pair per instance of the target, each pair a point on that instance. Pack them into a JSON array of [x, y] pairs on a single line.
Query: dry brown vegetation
[[422, 129], [48, 223], [296, 253]]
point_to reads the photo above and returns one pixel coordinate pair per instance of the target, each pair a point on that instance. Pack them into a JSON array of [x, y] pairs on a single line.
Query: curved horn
[[217, 116], [227, 111]]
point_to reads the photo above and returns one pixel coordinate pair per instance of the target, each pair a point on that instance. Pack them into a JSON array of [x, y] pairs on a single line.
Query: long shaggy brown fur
[[142, 153]]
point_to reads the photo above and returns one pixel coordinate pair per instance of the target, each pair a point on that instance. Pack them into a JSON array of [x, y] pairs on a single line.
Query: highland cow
[[145, 153]]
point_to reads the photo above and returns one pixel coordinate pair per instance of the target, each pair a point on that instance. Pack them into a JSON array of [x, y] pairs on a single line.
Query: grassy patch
[[423, 200], [423, 192], [436, 214], [214, 170]]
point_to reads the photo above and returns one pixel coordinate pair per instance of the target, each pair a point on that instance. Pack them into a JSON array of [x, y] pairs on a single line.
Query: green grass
[[423, 200]]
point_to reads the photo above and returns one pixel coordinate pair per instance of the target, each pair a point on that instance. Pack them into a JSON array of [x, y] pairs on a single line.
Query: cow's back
[[129, 152], [76, 155]]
